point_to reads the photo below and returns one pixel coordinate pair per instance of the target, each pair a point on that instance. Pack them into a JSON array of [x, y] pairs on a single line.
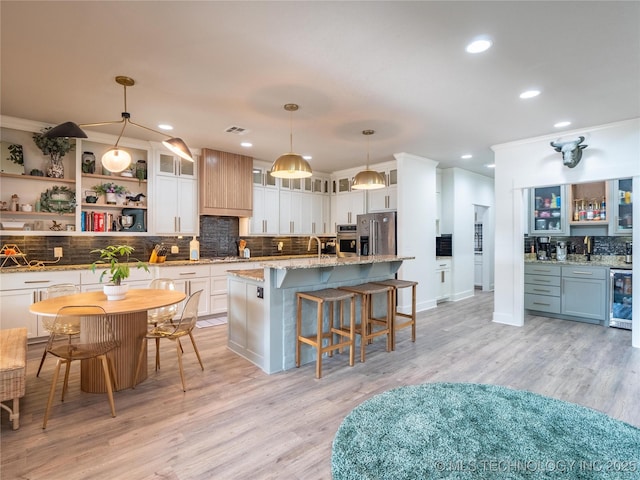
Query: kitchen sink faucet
[[587, 249], [319, 245]]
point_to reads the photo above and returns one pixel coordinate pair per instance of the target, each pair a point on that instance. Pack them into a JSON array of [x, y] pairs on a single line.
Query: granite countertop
[[256, 274], [315, 262], [612, 261], [168, 263]]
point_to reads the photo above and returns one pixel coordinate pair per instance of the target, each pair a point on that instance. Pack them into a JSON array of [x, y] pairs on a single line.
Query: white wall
[[613, 152], [417, 228], [462, 190]]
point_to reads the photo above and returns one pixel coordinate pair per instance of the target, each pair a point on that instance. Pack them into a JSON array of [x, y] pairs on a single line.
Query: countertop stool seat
[[410, 317], [345, 334], [371, 326]]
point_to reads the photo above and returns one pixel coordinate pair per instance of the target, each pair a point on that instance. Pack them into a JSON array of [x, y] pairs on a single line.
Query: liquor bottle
[[590, 211], [603, 209], [576, 213]]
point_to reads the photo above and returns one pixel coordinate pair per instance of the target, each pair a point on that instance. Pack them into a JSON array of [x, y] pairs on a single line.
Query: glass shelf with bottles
[[589, 204]]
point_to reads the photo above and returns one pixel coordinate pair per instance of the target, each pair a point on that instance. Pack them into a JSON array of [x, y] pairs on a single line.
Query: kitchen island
[[262, 303]]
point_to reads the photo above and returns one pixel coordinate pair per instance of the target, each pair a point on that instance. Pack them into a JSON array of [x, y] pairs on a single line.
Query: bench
[[13, 366]]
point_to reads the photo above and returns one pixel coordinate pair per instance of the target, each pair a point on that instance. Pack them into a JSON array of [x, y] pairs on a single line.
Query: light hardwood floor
[[235, 422]]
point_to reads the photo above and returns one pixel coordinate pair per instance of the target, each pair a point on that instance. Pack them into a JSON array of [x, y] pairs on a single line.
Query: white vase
[[111, 198], [115, 292]]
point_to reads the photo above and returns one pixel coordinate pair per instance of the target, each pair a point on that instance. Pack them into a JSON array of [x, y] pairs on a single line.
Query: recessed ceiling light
[[529, 94], [164, 126], [466, 156], [490, 165], [246, 144], [479, 45], [562, 124], [307, 157]]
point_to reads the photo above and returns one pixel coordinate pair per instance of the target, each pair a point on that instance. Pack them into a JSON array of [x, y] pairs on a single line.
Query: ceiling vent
[[236, 130]]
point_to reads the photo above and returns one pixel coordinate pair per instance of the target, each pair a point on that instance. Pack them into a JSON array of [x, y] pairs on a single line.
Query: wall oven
[[346, 241]]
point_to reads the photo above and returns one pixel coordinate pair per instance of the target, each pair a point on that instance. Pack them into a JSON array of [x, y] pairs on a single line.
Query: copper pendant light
[[116, 159], [291, 165], [368, 179]]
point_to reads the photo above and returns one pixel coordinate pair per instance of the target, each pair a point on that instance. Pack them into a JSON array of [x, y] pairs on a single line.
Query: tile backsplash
[[219, 237], [600, 245]]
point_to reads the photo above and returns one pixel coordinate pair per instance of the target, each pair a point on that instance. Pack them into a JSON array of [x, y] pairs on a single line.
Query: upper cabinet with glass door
[[547, 211], [173, 165], [621, 207]]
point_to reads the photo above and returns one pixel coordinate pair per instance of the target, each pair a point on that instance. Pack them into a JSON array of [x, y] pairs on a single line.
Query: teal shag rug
[[472, 431]]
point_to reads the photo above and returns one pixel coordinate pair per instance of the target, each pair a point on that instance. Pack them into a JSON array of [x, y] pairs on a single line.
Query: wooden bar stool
[[346, 334], [370, 326], [396, 284]]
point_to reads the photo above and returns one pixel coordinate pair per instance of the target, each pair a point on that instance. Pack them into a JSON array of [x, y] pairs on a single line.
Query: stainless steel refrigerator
[[376, 233]]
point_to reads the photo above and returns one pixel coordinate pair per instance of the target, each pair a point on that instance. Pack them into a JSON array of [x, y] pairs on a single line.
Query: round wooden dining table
[[129, 322]]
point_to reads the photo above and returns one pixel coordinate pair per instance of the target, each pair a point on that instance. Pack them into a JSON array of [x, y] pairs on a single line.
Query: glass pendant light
[[291, 165], [368, 179]]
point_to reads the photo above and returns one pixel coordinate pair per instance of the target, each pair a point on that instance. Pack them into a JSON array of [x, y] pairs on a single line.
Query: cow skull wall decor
[[571, 151]]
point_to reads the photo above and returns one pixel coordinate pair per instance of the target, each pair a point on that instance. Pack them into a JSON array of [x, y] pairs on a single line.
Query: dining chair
[[95, 340], [57, 290], [162, 314], [174, 330]]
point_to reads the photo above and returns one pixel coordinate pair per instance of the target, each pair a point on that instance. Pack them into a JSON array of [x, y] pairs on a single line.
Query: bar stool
[[368, 323], [396, 284], [346, 334]]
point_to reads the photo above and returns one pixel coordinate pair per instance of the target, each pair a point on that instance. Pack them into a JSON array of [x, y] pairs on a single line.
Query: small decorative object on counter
[[194, 250], [15, 202]]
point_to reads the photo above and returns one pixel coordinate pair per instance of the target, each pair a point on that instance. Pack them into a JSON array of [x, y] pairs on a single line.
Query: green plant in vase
[[118, 258], [55, 148]]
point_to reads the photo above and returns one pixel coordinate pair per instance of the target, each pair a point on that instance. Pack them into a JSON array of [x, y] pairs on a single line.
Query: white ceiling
[[399, 68]]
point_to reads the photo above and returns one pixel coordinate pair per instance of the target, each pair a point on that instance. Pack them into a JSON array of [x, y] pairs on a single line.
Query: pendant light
[[291, 165], [115, 159], [368, 179]]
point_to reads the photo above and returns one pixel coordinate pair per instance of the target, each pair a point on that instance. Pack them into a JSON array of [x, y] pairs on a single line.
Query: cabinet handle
[[541, 290], [578, 272], [313, 227], [441, 277], [34, 297], [543, 304], [541, 270], [187, 273], [540, 280]]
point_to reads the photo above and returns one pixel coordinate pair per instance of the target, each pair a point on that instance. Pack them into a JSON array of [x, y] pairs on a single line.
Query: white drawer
[[37, 279]]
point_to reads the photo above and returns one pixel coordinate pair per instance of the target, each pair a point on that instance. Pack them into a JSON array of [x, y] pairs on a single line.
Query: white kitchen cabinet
[[175, 210], [266, 208], [174, 166], [189, 279], [443, 279], [248, 328], [384, 199], [19, 290], [349, 206]]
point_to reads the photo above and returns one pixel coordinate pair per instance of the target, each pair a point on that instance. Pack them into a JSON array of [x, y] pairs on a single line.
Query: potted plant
[[110, 191], [118, 258], [56, 148]]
